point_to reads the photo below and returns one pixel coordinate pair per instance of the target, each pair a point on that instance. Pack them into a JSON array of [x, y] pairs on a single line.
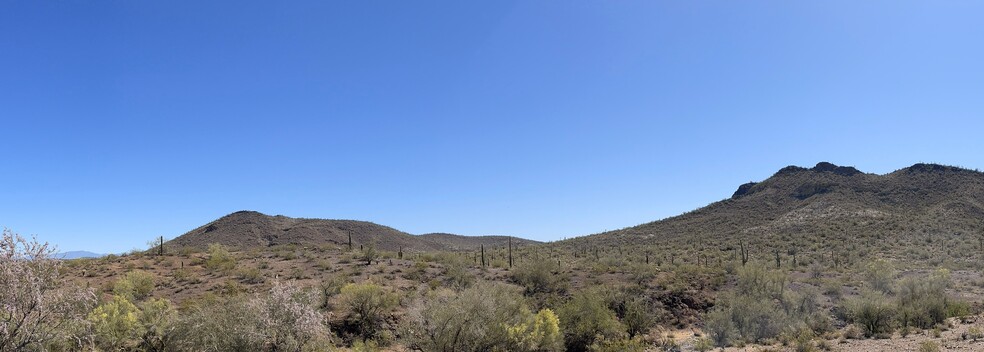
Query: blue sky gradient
[[126, 120]]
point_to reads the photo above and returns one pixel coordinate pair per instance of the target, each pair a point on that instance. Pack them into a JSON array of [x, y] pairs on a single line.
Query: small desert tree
[[36, 307], [369, 253]]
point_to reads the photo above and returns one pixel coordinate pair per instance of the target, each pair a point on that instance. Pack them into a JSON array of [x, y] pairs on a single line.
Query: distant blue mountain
[[77, 255]]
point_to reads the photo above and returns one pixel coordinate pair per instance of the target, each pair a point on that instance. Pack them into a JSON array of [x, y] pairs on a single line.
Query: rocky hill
[[925, 212], [248, 229], [459, 242]]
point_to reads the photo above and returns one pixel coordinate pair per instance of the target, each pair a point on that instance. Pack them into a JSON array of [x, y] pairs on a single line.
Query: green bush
[[136, 285], [222, 324], [634, 309], [586, 320], [874, 313], [484, 317], [541, 333], [219, 258], [618, 345], [157, 320], [880, 275], [540, 282], [720, 328], [923, 302], [929, 346], [760, 308], [457, 276], [115, 323], [366, 307], [703, 344], [369, 253]]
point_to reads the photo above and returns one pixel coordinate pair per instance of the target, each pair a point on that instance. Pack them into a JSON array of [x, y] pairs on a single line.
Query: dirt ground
[[952, 339]]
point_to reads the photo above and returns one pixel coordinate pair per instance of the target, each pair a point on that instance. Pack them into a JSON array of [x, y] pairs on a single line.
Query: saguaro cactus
[[744, 253], [510, 251]]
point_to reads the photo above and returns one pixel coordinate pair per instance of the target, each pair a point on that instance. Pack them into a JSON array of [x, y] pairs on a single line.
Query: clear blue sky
[[125, 120]]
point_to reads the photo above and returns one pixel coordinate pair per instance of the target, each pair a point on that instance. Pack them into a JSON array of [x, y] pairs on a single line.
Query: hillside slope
[[925, 212], [247, 229], [459, 242]]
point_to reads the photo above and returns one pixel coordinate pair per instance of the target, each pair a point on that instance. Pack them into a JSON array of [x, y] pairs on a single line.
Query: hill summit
[[248, 229], [920, 211]]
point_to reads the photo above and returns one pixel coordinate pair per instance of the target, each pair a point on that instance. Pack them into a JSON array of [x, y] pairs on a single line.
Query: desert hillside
[[249, 229], [922, 213]]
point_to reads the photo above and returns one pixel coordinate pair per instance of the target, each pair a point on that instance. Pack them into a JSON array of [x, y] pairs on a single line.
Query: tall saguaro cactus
[[744, 253], [510, 251]]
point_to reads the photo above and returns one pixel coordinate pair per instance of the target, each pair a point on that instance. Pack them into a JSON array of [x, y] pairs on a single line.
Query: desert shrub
[[329, 288], [586, 320], [219, 258], [758, 281], [115, 323], [720, 328], [832, 288], [540, 282], [366, 307], [251, 275], [484, 317], [803, 340], [369, 253], [157, 321], [136, 285], [929, 346], [703, 344], [756, 319], [880, 275], [541, 334], [39, 309], [219, 324], [873, 312], [923, 301], [758, 309], [457, 276], [284, 319], [289, 319], [852, 332], [636, 314], [618, 345], [418, 272], [633, 308]]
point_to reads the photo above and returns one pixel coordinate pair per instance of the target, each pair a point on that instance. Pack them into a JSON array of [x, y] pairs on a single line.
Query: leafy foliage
[[366, 307]]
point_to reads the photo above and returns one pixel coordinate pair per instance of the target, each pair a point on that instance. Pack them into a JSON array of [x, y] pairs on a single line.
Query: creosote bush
[[586, 321], [483, 317], [219, 258], [541, 282], [136, 285], [366, 307], [761, 308]]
